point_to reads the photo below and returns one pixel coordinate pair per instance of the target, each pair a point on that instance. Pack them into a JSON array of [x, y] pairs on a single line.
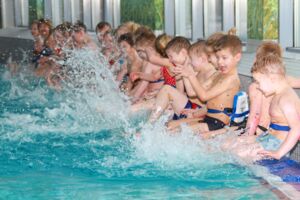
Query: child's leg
[[199, 127], [143, 105], [167, 95], [176, 123]]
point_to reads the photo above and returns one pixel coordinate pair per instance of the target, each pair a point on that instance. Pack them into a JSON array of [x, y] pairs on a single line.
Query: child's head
[[127, 27], [34, 29], [198, 54], [266, 71], [45, 27], [62, 33], [126, 42], [210, 47], [267, 48], [79, 31], [228, 50], [141, 30], [144, 41], [161, 43], [177, 50], [103, 31]]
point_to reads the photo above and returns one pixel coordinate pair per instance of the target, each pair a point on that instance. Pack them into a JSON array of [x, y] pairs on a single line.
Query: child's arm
[[156, 59], [179, 84], [204, 95], [122, 72], [291, 140], [294, 82], [189, 88], [139, 90], [255, 97]]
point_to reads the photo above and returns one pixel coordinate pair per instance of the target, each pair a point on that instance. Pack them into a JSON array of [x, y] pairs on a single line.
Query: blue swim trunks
[[269, 142], [189, 105]]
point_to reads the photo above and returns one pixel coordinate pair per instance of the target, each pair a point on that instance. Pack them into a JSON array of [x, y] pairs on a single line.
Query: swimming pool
[[80, 144]]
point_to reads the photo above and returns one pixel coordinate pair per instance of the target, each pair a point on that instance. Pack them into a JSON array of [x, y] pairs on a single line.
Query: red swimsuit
[[169, 80]]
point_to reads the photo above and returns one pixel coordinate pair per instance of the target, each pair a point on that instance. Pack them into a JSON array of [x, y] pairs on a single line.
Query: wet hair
[[78, 26], [127, 37], [161, 43], [212, 41], [47, 22], [231, 42], [198, 48], [178, 43], [34, 22], [232, 31], [145, 39], [267, 48], [65, 27], [141, 30], [269, 64], [68, 26], [129, 27], [101, 25]]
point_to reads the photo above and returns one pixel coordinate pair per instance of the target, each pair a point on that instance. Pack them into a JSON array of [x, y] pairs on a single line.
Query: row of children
[[198, 81]]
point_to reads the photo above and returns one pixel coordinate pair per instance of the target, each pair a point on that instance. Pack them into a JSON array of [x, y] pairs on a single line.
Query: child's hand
[[270, 154], [188, 112], [134, 76], [185, 70]]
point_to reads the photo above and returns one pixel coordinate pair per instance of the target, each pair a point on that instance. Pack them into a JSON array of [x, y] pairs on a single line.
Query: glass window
[[77, 9], [263, 19], [183, 18], [145, 12], [0, 13], [296, 23], [213, 16], [57, 12], [36, 10]]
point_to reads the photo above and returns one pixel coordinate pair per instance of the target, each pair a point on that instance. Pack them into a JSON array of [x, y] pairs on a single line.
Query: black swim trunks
[[213, 123], [263, 129]]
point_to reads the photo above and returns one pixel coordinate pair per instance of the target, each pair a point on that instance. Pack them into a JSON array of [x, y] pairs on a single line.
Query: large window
[[36, 9], [213, 16], [183, 18], [145, 12], [296, 23], [0, 13], [263, 19]]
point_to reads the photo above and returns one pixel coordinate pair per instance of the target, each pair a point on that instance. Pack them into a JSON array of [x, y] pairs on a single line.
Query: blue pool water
[[80, 143]]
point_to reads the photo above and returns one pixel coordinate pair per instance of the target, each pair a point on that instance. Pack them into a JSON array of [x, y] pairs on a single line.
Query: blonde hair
[[161, 43], [129, 26], [269, 64], [232, 31], [267, 48]]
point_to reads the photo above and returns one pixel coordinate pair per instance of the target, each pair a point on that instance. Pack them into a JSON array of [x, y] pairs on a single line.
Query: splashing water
[[79, 143]]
